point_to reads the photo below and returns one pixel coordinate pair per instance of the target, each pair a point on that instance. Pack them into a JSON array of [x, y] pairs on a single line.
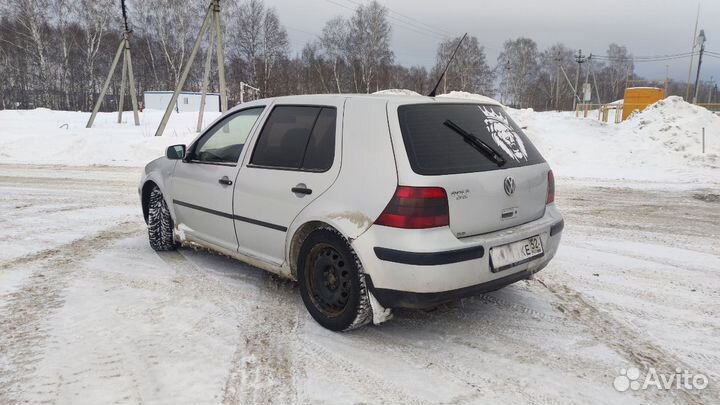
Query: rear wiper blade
[[477, 143]]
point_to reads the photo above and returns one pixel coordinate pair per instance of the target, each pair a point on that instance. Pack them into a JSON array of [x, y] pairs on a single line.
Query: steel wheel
[[329, 280], [332, 282]]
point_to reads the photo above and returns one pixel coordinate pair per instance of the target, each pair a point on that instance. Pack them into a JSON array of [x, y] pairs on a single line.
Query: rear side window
[[298, 138], [320, 150], [435, 149]]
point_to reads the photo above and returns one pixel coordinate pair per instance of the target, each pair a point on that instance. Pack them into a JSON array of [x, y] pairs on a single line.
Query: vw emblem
[[509, 185]]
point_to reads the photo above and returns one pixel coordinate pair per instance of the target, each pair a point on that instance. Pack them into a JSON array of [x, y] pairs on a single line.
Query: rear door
[[482, 195], [202, 183], [295, 158]]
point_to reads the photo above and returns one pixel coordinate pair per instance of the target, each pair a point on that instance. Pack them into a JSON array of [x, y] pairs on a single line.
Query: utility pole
[[597, 90], [507, 76], [580, 59], [212, 23], [206, 80], [127, 75], [701, 41], [587, 71], [558, 59], [697, 18]]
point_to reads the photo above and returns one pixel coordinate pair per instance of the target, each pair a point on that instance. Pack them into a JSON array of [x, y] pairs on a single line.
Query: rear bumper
[[404, 299], [419, 268]]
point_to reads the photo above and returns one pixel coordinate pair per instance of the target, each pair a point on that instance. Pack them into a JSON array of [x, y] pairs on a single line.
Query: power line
[[641, 59], [416, 22], [652, 57], [308, 33], [664, 59], [399, 23]]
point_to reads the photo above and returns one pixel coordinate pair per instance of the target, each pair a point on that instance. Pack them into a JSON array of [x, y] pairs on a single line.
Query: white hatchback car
[[370, 202]]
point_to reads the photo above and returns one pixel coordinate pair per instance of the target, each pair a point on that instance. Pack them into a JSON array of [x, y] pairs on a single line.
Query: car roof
[[394, 99]]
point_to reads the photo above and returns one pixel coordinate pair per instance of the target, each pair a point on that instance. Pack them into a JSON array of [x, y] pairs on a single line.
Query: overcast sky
[[646, 27]]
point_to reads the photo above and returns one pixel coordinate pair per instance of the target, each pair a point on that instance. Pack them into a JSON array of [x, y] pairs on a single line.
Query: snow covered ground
[[90, 314], [43, 136], [661, 145]]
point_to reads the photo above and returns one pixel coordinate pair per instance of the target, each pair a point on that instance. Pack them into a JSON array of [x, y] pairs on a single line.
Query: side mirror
[[175, 152]]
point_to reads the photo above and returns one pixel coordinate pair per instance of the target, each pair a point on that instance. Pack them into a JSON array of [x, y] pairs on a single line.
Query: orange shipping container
[[637, 98]]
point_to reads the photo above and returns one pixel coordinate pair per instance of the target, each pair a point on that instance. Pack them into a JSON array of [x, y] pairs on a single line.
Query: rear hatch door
[[484, 194]]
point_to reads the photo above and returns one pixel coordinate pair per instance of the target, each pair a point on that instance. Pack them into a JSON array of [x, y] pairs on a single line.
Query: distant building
[[186, 102]]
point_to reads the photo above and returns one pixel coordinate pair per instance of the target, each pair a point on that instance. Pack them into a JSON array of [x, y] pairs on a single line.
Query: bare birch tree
[[369, 44], [619, 69], [31, 21], [334, 40], [518, 64], [469, 70]]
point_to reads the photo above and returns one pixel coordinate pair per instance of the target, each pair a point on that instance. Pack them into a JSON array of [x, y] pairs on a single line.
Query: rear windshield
[[435, 149]]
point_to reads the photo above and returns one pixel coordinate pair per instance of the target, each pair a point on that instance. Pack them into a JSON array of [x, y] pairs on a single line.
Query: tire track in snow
[[502, 326], [61, 252], [356, 377], [23, 328], [263, 368], [626, 342]]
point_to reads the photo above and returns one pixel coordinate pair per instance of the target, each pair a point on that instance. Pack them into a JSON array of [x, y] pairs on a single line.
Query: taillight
[[416, 208], [551, 188]]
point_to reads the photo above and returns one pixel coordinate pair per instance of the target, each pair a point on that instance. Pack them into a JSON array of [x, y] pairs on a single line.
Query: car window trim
[[215, 125], [294, 169], [288, 169], [202, 162]]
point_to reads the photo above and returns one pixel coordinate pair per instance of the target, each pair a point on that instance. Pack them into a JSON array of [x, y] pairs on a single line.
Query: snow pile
[[676, 123], [397, 92], [660, 144], [469, 96], [453, 94], [42, 136]]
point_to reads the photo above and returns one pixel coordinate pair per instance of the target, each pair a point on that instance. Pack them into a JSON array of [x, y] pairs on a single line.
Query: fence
[[602, 109], [605, 110], [711, 106]]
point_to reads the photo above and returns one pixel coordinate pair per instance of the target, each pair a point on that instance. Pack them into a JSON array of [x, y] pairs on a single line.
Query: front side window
[[225, 141], [298, 138]]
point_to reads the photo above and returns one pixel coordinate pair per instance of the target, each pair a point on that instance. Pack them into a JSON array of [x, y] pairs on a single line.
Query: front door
[[295, 158], [202, 183]]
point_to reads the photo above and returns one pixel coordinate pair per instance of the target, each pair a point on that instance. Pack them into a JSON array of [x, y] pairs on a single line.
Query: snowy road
[[90, 314]]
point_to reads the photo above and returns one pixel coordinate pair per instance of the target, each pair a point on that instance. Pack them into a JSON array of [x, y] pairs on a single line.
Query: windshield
[[435, 149]]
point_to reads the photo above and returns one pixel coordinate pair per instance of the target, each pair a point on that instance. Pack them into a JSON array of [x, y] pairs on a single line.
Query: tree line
[[57, 53]]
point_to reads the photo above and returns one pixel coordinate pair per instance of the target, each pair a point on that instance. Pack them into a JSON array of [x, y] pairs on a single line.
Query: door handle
[[225, 181], [301, 189]]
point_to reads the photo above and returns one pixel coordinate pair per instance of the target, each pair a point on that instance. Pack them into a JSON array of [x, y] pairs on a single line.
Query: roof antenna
[[432, 93]]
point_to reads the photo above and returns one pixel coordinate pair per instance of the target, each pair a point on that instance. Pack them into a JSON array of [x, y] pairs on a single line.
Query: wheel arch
[[147, 188], [298, 238]]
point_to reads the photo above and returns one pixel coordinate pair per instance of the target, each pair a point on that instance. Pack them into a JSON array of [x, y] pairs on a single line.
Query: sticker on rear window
[[504, 135]]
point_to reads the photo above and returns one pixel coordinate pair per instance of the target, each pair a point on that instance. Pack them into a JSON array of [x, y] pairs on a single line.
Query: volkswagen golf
[[369, 202]]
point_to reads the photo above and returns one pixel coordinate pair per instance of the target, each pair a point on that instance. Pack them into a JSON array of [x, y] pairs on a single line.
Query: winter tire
[[160, 225], [332, 282]]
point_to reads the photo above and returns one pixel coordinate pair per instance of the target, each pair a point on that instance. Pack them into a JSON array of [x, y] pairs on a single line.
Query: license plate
[[506, 256]]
